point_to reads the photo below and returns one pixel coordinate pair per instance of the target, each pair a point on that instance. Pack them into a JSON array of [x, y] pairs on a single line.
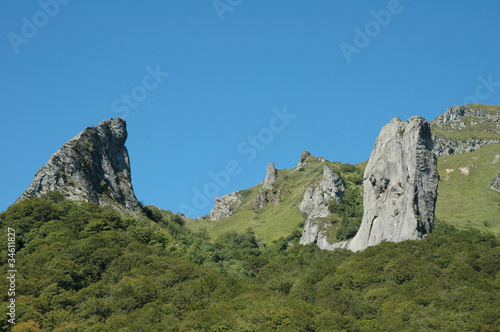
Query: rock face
[[266, 196], [303, 159], [93, 167], [471, 118], [271, 176], [315, 204], [495, 185], [266, 192], [400, 185], [225, 206], [316, 198]]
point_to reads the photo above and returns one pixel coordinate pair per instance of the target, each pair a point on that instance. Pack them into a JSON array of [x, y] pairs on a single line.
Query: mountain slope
[[464, 195], [281, 216]]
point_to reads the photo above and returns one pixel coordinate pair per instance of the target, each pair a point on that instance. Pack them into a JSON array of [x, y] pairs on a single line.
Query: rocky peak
[[225, 206], [93, 167], [271, 176], [303, 158], [400, 185]]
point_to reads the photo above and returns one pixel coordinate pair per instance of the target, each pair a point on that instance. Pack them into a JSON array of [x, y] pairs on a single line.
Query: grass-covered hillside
[[281, 216], [81, 267], [464, 197]]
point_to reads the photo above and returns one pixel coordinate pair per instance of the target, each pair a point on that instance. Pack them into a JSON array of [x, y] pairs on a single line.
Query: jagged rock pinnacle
[[303, 157], [93, 167], [271, 176]]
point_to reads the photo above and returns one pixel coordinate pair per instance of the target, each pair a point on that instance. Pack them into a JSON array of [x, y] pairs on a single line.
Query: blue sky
[[222, 72]]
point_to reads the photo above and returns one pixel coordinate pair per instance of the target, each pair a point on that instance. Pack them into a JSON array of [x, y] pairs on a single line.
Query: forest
[[82, 267]]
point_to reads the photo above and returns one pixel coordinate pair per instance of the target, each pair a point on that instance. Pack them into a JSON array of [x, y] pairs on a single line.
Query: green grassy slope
[[465, 200], [273, 222]]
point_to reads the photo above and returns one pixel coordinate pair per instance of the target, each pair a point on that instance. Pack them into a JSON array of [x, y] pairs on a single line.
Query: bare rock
[[303, 159], [93, 167], [400, 185], [315, 204], [470, 118], [271, 176], [225, 206], [317, 198], [266, 196]]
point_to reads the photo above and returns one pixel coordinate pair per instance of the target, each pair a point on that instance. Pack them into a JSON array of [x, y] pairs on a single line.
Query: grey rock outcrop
[[315, 204], [266, 192], [317, 198], [400, 185], [303, 159], [225, 206], [470, 118], [495, 185], [93, 167], [271, 176], [312, 233], [444, 146], [266, 196]]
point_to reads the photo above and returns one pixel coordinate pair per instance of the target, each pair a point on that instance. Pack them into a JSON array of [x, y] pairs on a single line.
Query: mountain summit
[[92, 167]]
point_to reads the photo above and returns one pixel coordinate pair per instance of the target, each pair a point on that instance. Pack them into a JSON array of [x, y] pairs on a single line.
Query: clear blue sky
[[228, 68]]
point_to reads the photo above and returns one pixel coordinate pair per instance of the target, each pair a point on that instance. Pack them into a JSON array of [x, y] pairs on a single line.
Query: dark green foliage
[[347, 214], [54, 196], [82, 267]]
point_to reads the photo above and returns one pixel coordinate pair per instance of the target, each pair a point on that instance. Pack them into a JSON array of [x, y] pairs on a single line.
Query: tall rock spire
[[271, 176], [400, 185]]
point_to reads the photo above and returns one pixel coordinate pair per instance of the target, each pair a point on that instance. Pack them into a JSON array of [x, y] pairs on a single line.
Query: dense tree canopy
[[82, 267]]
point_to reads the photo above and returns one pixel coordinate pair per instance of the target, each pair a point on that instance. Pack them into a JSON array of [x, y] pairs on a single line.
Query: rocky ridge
[[464, 129], [94, 166]]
